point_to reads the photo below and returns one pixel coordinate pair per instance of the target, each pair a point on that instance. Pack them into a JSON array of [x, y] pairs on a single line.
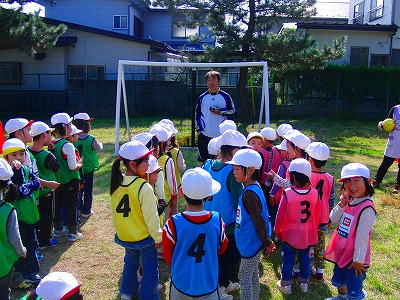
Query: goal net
[[140, 71]]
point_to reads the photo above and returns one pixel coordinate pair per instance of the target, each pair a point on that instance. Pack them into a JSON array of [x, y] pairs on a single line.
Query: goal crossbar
[[121, 89]]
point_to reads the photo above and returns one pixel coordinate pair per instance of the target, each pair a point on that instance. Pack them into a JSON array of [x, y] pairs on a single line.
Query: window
[[96, 72], [396, 57], [10, 73], [183, 32], [358, 14], [76, 72], [359, 56], [379, 60], [120, 22], [137, 27], [376, 11]]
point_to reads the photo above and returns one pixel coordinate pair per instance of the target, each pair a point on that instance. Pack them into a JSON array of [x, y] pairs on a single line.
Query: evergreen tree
[[241, 29], [27, 32]]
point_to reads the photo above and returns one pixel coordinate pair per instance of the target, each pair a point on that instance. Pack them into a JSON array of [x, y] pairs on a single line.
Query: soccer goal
[[126, 68]]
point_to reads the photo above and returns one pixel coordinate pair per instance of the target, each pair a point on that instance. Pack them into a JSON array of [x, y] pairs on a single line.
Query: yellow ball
[[388, 124]]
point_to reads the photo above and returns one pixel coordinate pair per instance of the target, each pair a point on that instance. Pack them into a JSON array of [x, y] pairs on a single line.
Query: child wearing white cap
[[252, 227], [135, 217], [27, 211], [48, 166], [68, 177], [349, 247], [11, 247], [225, 202], [296, 225], [88, 147], [324, 183], [193, 256]]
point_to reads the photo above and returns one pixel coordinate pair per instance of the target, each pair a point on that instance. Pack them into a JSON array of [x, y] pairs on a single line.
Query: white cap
[[212, 146], [300, 165], [283, 128], [13, 125], [75, 130], [232, 138], [246, 158], [299, 139], [143, 137], [83, 116], [318, 150], [354, 170], [39, 127], [198, 184], [170, 128], [268, 133], [161, 132], [167, 121], [134, 150], [290, 131], [153, 165], [253, 135], [227, 125], [282, 146], [12, 145], [62, 118], [57, 286], [5, 170]]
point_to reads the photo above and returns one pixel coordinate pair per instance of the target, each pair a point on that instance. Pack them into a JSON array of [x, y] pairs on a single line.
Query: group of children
[[247, 190], [43, 191]]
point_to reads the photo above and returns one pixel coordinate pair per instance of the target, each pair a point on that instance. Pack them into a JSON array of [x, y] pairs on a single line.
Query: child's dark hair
[[256, 176], [174, 142], [370, 191], [301, 179], [226, 152], [318, 163], [11, 191], [116, 174], [213, 73], [60, 128], [197, 202], [153, 143], [83, 125], [303, 152], [162, 147]]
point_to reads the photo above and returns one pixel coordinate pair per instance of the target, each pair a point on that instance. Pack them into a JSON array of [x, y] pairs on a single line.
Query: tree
[[27, 32], [241, 27]]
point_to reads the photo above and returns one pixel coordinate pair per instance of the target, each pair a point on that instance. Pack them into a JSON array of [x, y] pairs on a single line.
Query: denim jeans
[[86, 195], [66, 193], [289, 255], [147, 253], [347, 277], [28, 266]]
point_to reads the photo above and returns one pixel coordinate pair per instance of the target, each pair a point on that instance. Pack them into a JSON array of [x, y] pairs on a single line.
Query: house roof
[[346, 26], [155, 45]]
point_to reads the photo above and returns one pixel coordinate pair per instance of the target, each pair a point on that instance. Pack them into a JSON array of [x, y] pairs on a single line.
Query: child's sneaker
[[88, 214], [125, 297], [73, 237], [396, 189], [232, 287], [223, 295], [33, 279], [60, 233], [52, 243], [287, 289], [23, 286], [160, 255], [39, 255], [338, 297], [303, 287]]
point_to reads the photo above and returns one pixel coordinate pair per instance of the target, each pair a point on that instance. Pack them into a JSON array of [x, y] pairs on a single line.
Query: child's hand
[[271, 248], [271, 174], [158, 245], [53, 185], [359, 268], [16, 164], [344, 198], [380, 125]]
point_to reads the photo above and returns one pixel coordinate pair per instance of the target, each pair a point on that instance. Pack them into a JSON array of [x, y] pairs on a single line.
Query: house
[[371, 28]]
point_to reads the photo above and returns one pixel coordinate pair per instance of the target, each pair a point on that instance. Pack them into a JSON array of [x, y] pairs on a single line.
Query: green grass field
[[97, 261]]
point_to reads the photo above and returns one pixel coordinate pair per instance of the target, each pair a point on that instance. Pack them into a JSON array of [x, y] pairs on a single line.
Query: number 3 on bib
[[197, 248], [306, 211]]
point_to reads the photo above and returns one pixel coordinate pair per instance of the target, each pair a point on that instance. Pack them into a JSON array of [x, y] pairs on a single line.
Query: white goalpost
[[121, 88]]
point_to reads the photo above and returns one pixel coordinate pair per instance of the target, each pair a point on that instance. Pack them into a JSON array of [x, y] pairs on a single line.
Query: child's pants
[[249, 277], [289, 255], [347, 277]]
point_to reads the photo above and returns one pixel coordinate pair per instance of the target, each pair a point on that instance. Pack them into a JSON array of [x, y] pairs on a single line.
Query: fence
[[300, 95]]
